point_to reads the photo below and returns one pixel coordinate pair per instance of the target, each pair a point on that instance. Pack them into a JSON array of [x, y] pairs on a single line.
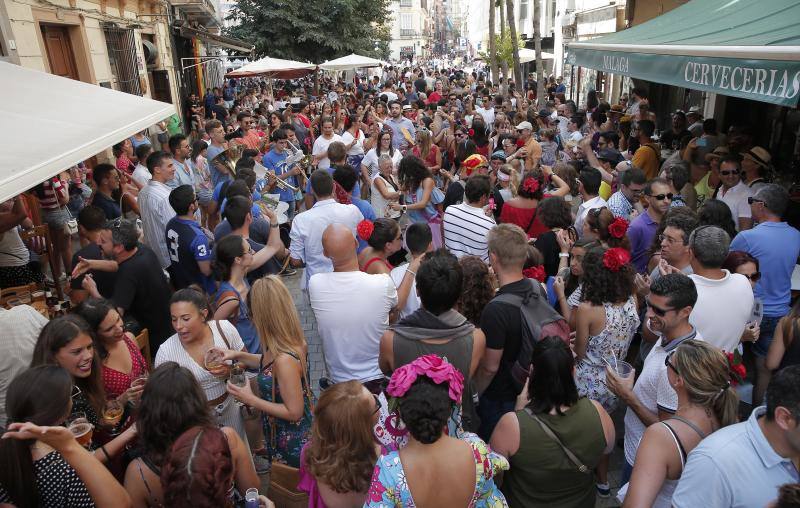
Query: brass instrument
[[227, 159], [280, 183], [296, 156]]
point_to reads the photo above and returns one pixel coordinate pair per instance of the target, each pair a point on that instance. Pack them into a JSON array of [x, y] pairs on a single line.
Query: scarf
[[341, 195]]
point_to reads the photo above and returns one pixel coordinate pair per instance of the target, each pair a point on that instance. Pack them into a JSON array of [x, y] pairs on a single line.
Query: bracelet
[[563, 254], [411, 272], [103, 449]]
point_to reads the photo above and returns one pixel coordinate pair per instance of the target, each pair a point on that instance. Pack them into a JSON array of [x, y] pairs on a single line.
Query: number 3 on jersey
[[172, 245]]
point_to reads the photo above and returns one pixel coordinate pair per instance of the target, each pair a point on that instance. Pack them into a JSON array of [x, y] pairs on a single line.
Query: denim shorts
[[56, 218], [768, 325]]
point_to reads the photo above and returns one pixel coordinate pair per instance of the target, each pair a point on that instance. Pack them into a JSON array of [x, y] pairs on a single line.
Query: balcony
[[408, 33], [201, 11]]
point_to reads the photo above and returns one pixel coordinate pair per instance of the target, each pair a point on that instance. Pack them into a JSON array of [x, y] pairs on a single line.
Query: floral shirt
[[389, 487]]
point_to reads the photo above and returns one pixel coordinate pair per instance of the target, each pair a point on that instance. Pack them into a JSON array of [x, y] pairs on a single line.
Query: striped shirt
[[48, 199], [465, 230], [156, 212]]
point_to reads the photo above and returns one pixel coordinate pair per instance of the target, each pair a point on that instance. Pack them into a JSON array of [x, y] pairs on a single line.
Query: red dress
[[116, 382], [522, 218], [430, 160]]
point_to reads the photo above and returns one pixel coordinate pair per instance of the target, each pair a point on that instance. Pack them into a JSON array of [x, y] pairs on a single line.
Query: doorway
[[59, 51]]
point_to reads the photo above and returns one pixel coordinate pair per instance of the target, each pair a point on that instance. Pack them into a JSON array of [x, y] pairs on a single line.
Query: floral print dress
[[288, 439], [389, 488], [612, 342]]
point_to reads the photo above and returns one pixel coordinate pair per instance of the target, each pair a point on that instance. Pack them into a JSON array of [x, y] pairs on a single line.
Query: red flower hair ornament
[[614, 259], [364, 229], [471, 132], [736, 368], [535, 272], [530, 185], [618, 228]]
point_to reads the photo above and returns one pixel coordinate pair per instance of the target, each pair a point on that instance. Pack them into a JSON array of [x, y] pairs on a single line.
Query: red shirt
[[117, 382], [522, 218]]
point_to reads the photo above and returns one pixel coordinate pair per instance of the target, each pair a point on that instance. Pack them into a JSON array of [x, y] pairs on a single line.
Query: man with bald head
[[307, 227], [352, 311]]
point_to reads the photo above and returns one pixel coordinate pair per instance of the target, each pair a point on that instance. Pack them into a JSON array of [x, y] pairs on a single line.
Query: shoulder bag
[[552, 435]]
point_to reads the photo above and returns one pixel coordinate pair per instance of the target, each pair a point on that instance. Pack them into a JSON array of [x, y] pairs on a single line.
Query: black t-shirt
[[104, 280], [502, 324], [548, 246], [668, 137], [221, 112], [142, 290], [498, 203], [420, 84]]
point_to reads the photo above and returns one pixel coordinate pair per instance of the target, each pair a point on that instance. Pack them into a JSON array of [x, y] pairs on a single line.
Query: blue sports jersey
[[187, 244]]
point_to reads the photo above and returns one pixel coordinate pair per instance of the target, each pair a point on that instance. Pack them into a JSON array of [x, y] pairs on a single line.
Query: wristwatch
[[274, 225], [563, 254], [405, 207]]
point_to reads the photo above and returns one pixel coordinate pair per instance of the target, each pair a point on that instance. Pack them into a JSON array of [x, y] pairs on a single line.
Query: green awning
[[743, 48]]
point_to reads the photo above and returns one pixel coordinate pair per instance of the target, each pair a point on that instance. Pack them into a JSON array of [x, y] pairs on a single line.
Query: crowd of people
[[491, 281]]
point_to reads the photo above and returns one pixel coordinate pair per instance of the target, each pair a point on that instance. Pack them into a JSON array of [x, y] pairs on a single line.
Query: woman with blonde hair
[[699, 374], [285, 395], [426, 150], [337, 464]]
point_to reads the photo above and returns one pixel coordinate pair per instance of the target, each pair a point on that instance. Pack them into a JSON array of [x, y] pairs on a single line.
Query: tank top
[[541, 474]]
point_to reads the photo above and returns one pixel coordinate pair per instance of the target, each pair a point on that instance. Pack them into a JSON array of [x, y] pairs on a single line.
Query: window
[[523, 9], [122, 57], [406, 22], [406, 3]]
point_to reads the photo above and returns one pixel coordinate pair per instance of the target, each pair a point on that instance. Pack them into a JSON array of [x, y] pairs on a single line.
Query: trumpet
[[280, 183], [297, 157]]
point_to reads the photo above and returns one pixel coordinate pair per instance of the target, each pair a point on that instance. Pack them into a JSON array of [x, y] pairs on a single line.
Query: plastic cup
[[624, 369]]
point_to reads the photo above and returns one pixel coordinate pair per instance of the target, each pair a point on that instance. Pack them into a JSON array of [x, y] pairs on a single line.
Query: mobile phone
[[702, 142]]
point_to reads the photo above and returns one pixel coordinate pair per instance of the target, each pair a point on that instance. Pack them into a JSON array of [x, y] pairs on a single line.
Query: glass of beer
[[81, 429], [213, 358], [238, 378], [112, 413]]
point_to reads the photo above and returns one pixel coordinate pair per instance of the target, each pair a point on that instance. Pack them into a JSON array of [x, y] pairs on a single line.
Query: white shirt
[[653, 391], [21, 326], [723, 309], [583, 211], [358, 147], [465, 230], [156, 212], [352, 312], [575, 136], [307, 229], [736, 199], [371, 162], [412, 302], [391, 96], [321, 149], [141, 175], [488, 116]]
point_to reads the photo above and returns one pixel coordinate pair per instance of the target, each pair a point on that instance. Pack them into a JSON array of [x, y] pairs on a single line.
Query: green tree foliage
[[313, 30], [505, 49]]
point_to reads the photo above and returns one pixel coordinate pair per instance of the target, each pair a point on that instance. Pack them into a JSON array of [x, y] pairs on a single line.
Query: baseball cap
[[524, 125], [611, 155], [543, 113]]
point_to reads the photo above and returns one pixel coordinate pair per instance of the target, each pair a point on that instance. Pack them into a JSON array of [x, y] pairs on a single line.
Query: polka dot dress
[[116, 382], [58, 485]]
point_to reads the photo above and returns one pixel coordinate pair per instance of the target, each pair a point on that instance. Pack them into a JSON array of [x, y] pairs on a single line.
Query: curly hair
[[199, 470], [342, 453], [477, 290], [425, 409], [601, 285], [411, 172], [716, 212], [554, 212], [172, 402], [598, 220]]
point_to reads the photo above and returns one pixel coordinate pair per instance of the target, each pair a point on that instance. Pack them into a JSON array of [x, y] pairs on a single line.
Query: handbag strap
[[306, 393], [222, 334], [533, 218], [552, 435]]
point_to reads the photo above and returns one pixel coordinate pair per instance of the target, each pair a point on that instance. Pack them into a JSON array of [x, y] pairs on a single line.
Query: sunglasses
[[729, 172], [662, 197], [668, 363], [377, 404], [658, 311], [755, 276], [751, 200]]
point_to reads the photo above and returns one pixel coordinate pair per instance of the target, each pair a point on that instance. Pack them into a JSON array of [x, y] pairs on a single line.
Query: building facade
[[411, 29]]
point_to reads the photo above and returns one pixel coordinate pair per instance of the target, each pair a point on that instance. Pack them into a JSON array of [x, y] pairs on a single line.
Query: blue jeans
[[768, 325], [627, 471], [490, 411]]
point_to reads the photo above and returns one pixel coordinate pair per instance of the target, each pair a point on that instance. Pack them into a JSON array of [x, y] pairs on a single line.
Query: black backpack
[[539, 320]]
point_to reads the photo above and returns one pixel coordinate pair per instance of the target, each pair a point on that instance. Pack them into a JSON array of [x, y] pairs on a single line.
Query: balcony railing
[[408, 32]]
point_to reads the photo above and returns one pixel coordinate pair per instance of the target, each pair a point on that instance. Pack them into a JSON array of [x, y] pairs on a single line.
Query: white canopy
[[273, 67], [50, 123], [528, 55], [351, 61]]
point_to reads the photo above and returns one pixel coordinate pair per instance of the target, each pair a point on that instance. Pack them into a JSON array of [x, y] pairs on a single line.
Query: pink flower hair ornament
[[431, 366]]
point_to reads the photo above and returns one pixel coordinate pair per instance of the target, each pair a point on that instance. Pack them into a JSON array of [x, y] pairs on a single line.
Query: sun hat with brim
[[718, 153], [616, 109], [473, 162], [759, 156]]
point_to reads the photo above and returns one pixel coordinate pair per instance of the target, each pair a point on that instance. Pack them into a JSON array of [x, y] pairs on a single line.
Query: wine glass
[[138, 382], [238, 378], [112, 413], [80, 428]]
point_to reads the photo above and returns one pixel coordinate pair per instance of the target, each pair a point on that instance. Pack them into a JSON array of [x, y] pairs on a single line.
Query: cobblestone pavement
[[317, 365]]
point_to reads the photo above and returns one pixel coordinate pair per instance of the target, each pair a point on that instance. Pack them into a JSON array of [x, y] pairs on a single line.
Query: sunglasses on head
[[729, 172], [668, 363], [377, 404], [662, 197]]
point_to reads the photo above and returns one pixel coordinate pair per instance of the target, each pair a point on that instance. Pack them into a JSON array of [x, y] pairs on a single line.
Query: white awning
[[349, 62], [273, 68], [529, 55], [49, 124]]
